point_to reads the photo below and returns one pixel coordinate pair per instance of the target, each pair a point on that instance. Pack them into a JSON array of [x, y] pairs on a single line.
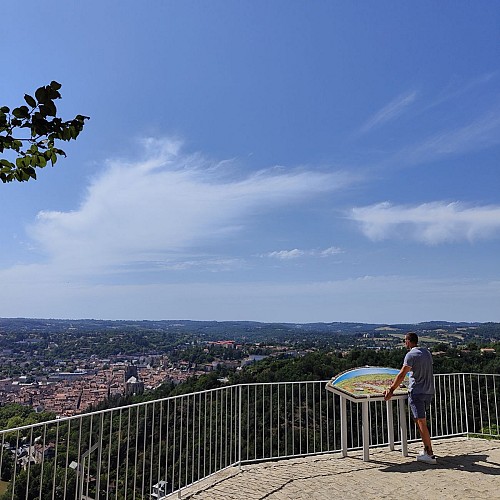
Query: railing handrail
[[467, 373], [61, 420]]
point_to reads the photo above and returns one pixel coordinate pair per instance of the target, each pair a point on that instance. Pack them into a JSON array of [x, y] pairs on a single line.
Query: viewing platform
[[276, 440], [466, 469]]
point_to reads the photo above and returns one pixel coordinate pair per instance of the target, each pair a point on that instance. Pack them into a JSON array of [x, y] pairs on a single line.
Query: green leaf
[[31, 160], [36, 146], [41, 95], [31, 172], [66, 134], [31, 102], [7, 165], [53, 94], [21, 112], [48, 109], [52, 107]]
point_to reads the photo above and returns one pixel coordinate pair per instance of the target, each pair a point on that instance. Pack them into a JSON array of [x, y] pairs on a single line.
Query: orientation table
[[361, 386]]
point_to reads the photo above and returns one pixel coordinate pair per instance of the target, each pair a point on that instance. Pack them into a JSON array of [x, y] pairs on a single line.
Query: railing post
[[239, 426], [466, 408], [403, 427], [390, 424], [99, 458]]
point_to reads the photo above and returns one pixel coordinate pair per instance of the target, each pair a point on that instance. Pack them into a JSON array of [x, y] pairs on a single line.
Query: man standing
[[418, 363]]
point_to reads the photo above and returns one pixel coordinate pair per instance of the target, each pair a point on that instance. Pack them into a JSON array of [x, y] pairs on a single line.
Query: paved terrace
[[466, 469]]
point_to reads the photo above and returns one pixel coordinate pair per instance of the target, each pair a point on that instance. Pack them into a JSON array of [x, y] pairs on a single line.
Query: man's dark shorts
[[419, 403]]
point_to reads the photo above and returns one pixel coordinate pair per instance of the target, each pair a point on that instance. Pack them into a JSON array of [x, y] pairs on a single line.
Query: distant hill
[[236, 330]]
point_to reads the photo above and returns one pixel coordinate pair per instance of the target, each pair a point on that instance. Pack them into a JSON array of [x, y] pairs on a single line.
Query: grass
[[3, 486], [492, 432]]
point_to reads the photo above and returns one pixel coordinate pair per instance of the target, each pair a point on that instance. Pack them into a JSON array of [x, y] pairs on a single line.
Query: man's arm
[[397, 382]]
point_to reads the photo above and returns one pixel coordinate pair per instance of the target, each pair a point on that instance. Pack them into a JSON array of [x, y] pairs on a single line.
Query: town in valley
[[67, 367]]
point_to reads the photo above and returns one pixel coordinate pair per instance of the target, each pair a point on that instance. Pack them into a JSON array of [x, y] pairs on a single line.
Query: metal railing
[[157, 448]]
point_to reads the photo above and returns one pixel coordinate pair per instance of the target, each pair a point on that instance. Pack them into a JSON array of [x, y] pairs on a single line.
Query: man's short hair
[[412, 337]]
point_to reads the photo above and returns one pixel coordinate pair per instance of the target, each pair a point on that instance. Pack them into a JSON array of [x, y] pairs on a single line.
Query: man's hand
[[388, 394], [397, 382]]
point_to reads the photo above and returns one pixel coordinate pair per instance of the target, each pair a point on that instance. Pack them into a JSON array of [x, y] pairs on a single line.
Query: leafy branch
[[44, 127]]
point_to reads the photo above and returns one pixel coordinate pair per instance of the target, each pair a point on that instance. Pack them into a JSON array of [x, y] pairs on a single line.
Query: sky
[[276, 161]]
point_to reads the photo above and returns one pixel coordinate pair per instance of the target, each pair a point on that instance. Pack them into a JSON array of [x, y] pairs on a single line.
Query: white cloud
[[327, 252], [389, 112], [286, 254], [430, 223], [295, 253], [165, 204]]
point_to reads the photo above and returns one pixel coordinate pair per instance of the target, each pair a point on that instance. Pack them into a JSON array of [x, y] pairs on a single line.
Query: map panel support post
[[343, 425], [366, 431]]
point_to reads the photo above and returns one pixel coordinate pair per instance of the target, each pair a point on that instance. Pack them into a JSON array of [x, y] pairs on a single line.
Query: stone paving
[[466, 469]]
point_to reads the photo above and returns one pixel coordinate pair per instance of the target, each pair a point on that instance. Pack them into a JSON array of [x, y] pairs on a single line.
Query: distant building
[[488, 350], [253, 358], [228, 344], [134, 386], [67, 375], [131, 371]]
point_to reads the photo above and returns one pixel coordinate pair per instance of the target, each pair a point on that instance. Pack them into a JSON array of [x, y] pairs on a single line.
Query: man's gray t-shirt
[[421, 375]]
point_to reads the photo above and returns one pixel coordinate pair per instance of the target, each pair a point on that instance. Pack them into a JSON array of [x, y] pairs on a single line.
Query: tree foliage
[[38, 120]]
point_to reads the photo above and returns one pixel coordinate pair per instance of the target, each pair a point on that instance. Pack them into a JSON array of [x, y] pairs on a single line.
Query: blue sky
[[294, 161]]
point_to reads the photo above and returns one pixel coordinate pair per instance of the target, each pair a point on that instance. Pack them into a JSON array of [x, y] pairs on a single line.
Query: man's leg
[[424, 434]]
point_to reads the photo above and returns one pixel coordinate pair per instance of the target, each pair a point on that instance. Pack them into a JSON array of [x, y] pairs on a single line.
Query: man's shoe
[[428, 459]]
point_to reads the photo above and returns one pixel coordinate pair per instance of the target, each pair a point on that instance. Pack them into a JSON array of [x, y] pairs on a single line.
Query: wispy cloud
[[296, 253], [200, 264], [474, 131], [430, 223], [164, 205], [481, 133], [389, 112], [453, 91]]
